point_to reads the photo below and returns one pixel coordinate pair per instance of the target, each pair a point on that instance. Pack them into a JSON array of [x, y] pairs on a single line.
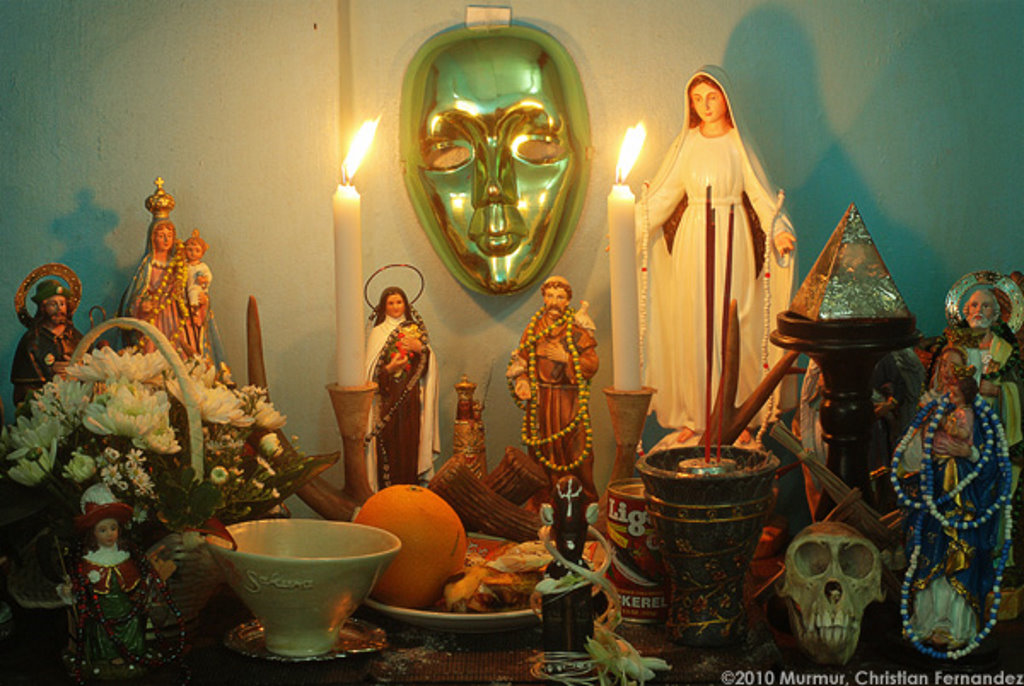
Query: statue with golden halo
[[984, 310], [45, 349], [403, 434]]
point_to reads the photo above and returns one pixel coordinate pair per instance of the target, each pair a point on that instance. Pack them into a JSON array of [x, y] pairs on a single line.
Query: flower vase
[[710, 521], [194, 577]]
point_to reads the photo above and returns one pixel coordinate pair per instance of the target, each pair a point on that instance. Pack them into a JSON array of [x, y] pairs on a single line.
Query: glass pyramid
[[849, 280]]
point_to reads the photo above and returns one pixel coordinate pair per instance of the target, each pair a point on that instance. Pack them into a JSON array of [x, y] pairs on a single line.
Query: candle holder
[[352, 406], [628, 410], [629, 413]]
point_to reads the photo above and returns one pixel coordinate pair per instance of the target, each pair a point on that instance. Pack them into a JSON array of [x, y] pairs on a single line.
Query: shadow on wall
[[927, 178], [925, 175], [84, 233], [774, 68]]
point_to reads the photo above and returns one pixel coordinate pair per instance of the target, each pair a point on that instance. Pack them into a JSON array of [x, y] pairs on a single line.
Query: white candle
[[625, 308], [350, 342], [621, 242]]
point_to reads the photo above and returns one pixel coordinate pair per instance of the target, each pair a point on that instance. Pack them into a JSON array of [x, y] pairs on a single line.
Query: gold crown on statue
[[161, 202]]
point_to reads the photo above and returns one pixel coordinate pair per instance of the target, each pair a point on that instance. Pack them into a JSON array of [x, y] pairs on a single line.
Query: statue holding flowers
[[403, 434]]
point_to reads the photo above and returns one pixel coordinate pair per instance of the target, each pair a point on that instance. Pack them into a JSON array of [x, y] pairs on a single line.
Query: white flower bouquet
[[121, 419]]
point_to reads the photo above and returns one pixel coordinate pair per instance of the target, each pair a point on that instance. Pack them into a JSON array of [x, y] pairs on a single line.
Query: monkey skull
[[832, 574]]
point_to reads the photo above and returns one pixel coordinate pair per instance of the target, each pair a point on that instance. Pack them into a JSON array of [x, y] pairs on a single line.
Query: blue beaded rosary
[[994, 447]]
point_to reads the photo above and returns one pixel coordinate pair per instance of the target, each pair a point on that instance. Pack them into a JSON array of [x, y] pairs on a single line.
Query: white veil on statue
[[672, 316]]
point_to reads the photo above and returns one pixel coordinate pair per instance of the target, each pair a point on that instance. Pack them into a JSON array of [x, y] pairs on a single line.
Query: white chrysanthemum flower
[[160, 440], [80, 468], [29, 434], [35, 465], [219, 405], [104, 364], [267, 416], [127, 409], [201, 373], [63, 398], [27, 473]]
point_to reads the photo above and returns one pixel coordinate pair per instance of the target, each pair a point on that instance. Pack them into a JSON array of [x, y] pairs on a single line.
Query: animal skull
[[832, 574]]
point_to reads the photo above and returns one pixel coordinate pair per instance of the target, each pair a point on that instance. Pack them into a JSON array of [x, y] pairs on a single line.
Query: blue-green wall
[[913, 110]]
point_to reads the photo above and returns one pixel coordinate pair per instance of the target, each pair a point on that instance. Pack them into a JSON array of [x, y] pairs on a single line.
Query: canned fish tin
[[636, 570]]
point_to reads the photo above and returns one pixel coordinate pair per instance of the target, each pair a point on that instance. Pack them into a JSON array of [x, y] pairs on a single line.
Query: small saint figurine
[[986, 332], [468, 442], [953, 437], [108, 590], [549, 375], [170, 287], [157, 291], [45, 349], [404, 430]]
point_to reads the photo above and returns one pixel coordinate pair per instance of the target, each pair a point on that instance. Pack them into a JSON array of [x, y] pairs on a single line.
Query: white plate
[[468, 623]]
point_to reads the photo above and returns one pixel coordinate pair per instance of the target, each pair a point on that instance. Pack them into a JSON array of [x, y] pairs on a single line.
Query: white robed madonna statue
[[712, 151]]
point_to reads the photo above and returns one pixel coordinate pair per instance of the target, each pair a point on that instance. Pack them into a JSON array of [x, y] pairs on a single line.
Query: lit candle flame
[[631, 146], [356, 152]]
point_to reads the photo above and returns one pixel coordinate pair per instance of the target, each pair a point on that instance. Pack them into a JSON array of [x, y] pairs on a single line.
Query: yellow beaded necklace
[[531, 424], [170, 289]]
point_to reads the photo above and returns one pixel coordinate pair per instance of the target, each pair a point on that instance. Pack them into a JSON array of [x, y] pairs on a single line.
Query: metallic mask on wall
[[494, 134]]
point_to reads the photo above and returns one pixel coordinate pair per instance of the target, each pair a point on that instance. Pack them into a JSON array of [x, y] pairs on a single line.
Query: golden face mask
[[494, 131]]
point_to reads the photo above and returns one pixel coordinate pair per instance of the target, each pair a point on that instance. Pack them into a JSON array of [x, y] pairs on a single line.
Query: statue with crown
[[170, 288]]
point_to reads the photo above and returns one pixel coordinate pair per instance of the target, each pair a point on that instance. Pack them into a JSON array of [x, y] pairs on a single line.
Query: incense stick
[[727, 288], [709, 297]]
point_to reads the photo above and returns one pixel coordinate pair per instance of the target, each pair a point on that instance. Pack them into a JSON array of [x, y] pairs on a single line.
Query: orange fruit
[[433, 544]]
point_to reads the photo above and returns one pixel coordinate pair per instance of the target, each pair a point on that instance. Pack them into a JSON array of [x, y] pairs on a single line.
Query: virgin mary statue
[[710, 167]]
